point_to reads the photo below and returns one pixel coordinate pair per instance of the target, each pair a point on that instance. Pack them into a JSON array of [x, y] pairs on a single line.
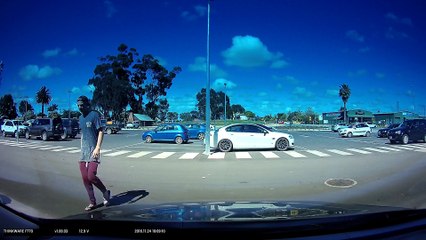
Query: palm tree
[[43, 97], [344, 93]]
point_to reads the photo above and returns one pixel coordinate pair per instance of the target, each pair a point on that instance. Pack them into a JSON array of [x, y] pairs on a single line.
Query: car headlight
[[290, 136], [398, 132]]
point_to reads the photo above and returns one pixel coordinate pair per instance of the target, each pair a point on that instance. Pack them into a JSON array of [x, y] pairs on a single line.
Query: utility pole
[[207, 134], [224, 91]]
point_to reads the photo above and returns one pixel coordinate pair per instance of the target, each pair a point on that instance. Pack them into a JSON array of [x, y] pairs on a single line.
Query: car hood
[[396, 129], [228, 211]]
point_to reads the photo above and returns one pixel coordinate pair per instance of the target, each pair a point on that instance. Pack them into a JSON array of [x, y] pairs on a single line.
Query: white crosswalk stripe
[[188, 156], [358, 151], [340, 152], [164, 155], [376, 150], [240, 155], [391, 149], [63, 149], [49, 148], [78, 150], [403, 148], [294, 154], [138, 155], [318, 153], [114, 154], [269, 155]]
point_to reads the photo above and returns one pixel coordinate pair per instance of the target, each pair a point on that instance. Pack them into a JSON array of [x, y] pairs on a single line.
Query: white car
[[249, 136], [10, 127], [359, 129], [337, 126]]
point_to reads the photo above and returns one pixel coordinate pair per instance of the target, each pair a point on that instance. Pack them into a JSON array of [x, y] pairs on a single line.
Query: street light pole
[[69, 104], [224, 91], [207, 135]]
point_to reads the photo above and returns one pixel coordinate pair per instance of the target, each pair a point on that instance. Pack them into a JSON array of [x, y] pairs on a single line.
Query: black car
[[409, 130], [46, 128], [383, 132], [71, 127]]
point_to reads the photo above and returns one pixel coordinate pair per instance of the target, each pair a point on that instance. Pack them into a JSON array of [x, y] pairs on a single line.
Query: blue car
[[169, 132], [196, 130]]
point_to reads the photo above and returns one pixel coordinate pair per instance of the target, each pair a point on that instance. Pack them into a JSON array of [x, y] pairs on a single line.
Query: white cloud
[[394, 18], [72, 52], [219, 84], [332, 92], [51, 52], [199, 11], [110, 9], [302, 92], [394, 34], [34, 71], [380, 75], [355, 36], [248, 51], [200, 64]]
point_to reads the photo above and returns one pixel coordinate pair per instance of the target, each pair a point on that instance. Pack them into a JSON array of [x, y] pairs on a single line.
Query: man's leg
[[93, 168], [86, 181]]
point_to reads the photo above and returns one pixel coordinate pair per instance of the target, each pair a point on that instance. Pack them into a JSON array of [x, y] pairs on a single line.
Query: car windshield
[[155, 97]]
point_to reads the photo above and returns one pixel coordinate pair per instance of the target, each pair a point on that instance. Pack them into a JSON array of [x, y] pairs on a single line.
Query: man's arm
[[97, 151]]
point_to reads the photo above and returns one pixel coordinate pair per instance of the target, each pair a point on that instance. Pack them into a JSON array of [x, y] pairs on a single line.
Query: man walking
[[91, 141]]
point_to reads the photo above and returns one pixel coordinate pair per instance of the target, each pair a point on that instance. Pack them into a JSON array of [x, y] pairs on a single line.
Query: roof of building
[[142, 117]]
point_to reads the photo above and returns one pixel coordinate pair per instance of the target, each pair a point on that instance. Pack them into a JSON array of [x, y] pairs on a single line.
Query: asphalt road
[[42, 178]]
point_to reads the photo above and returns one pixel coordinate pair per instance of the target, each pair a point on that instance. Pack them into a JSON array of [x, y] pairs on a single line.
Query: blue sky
[[275, 56]]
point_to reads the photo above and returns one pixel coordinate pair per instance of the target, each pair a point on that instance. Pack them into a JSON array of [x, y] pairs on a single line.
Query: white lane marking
[[217, 155], [318, 153], [376, 150], [139, 154], [391, 149], [63, 149], [358, 151], [294, 154], [164, 155], [188, 156], [116, 153], [269, 155], [420, 150], [340, 152], [76, 151], [242, 155], [49, 148], [39, 146], [404, 148]]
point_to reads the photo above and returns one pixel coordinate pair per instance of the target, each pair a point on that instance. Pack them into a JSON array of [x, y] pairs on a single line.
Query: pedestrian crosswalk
[[296, 154]]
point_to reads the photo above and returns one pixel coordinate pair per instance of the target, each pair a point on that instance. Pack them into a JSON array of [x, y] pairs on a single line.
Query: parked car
[[46, 128], [173, 132], [249, 136], [371, 125], [111, 127], [196, 130], [359, 129], [11, 127], [336, 127], [132, 124], [409, 130], [383, 132], [71, 127]]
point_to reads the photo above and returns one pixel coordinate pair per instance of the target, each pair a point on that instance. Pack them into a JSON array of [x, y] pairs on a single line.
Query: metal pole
[[225, 102], [69, 104], [208, 114]]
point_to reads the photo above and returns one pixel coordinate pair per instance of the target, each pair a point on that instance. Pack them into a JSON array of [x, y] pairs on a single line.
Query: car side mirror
[[265, 132]]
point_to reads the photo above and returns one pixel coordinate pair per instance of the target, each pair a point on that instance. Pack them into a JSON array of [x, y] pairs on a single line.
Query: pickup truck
[[110, 127]]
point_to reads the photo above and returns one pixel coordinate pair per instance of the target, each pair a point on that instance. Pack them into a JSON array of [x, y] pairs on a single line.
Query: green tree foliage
[[43, 96], [25, 106], [296, 116], [344, 93], [163, 109], [186, 117], [217, 104], [52, 108], [7, 107], [237, 110], [172, 116], [125, 79], [250, 114], [281, 117], [73, 114]]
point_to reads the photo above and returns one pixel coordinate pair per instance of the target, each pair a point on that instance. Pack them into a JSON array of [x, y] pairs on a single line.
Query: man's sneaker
[[107, 196], [90, 207]]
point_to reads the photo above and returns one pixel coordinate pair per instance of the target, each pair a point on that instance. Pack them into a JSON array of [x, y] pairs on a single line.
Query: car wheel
[[44, 136], [367, 134], [225, 145], [405, 139], [109, 131], [15, 134], [178, 140], [27, 135], [201, 136], [350, 135], [281, 144], [424, 138], [148, 139], [3, 133]]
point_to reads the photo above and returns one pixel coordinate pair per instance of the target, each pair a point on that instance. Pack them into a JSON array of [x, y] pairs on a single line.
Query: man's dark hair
[[83, 99]]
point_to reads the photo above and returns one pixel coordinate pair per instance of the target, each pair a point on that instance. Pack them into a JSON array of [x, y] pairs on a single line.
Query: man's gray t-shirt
[[90, 127]]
